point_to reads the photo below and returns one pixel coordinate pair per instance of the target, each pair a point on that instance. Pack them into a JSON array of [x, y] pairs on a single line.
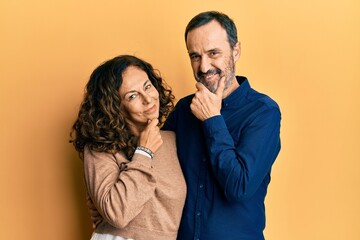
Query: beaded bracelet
[[145, 149]]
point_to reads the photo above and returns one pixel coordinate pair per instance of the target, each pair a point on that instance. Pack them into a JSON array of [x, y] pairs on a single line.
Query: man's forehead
[[213, 36]]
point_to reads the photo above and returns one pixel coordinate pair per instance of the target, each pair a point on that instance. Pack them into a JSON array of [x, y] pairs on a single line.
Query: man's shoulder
[[185, 101], [187, 98], [262, 98]]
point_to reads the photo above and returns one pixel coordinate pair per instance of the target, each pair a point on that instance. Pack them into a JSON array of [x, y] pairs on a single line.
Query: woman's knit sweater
[[140, 199]]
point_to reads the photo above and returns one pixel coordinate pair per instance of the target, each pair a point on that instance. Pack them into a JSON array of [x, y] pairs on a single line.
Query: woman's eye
[[132, 96], [148, 86]]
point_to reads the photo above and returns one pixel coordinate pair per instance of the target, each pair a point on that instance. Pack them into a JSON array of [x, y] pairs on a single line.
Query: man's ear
[[236, 51]]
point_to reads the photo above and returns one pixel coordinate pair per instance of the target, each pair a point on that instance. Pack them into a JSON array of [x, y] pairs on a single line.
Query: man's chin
[[212, 88]]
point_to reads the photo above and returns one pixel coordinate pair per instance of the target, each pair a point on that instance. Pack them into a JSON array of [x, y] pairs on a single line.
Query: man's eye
[[194, 57]]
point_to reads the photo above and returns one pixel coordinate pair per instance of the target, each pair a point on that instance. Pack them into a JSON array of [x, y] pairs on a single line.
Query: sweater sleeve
[[240, 167], [118, 195]]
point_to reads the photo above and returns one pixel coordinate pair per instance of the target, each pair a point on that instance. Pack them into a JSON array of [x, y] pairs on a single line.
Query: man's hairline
[[227, 36]]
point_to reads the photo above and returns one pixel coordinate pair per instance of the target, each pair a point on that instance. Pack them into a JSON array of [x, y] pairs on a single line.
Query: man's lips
[[208, 76], [208, 79]]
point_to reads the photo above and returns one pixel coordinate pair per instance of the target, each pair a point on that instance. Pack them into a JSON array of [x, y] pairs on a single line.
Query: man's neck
[[233, 86]]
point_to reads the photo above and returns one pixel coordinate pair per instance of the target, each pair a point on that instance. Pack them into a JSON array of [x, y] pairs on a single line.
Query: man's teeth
[[209, 76]]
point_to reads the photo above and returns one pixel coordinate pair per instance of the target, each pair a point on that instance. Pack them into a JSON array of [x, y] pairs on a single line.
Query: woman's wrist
[[147, 151]]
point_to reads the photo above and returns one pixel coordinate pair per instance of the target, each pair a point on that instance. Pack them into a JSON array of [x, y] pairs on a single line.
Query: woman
[[135, 186]]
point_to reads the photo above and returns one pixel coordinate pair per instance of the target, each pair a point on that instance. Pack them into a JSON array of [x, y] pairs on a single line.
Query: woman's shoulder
[[167, 135], [169, 139], [168, 150], [92, 155]]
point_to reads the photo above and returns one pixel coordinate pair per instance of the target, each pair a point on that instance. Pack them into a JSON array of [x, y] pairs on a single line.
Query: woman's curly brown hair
[[100, 125]]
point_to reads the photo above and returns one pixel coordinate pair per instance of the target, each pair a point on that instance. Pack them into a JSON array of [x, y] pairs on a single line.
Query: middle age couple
[[135, 184]]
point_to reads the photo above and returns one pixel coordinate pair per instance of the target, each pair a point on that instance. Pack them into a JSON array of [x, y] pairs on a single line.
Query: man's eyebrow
[[191, 53], [214, 50]]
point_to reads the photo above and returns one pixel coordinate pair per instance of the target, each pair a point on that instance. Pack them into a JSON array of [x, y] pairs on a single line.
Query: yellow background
[[304, 54]]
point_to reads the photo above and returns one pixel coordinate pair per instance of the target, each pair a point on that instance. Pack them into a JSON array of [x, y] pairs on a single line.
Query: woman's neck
[[135, 129]]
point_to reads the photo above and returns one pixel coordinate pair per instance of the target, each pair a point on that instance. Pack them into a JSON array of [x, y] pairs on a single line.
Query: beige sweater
[[140, 199]]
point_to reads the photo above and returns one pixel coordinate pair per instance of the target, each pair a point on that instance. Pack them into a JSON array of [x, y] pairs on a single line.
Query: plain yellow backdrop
[[304, 54]]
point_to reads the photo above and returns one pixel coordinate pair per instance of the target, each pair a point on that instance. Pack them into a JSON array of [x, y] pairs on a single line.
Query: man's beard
[[230, 68]]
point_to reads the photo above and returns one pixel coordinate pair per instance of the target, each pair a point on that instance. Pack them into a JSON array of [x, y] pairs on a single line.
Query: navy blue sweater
[[227, 161]]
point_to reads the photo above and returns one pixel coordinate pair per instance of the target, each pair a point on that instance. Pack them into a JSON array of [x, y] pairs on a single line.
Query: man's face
[[211, 56]]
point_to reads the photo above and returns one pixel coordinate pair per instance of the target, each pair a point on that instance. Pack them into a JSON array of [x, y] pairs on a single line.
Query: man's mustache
[[200, 74]]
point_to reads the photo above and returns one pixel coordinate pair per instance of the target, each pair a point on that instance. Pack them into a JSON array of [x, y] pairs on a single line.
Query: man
[[227, 138]]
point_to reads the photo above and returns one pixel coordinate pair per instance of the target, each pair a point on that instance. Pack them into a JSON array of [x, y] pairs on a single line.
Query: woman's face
[[139, 98]]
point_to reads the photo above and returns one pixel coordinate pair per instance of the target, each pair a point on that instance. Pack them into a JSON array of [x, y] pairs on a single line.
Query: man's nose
[[205, 64]]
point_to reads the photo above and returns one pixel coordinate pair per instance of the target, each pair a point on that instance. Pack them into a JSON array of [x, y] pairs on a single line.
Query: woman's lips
[[151, 109]]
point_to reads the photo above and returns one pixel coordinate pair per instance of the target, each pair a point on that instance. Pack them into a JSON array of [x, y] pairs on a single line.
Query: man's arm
[[240, 167]]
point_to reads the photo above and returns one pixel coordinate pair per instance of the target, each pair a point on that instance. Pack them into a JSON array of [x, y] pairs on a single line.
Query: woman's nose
[[146, 98]]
